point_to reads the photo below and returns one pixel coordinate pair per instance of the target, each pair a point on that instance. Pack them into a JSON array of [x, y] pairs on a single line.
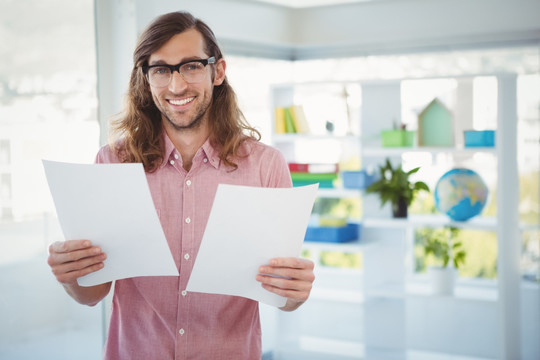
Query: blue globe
[[461, 194]]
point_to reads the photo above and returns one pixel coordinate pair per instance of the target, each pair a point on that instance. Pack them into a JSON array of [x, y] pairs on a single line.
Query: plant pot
[[442, 279], [399, 209]]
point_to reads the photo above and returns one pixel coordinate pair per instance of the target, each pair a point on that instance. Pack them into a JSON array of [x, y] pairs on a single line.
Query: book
[[299, 118], [323, 184], [289, 121], [279, 118], [313, 168], [303, 176]]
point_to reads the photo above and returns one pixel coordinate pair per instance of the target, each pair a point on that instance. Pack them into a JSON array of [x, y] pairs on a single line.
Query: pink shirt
[[154, 317]]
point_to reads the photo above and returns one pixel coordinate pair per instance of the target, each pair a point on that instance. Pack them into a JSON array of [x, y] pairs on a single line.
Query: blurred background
[[355, 67]]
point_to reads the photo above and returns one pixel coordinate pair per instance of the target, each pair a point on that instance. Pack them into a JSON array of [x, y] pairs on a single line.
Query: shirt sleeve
[[277, 171], [105, 155]]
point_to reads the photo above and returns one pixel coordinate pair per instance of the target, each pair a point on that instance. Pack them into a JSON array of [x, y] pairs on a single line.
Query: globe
[[461, 194]]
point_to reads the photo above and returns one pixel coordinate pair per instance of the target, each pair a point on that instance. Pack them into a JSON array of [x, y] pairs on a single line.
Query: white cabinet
[[388, 303]]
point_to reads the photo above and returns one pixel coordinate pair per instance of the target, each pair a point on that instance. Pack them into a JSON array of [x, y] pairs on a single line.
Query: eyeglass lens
[[192, 72]]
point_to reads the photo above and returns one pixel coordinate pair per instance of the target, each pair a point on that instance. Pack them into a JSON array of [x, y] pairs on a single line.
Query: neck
[[187, 141]]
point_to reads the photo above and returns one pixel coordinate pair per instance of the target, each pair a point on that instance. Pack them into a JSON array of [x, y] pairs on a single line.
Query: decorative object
[[356, 179], [448, 256], [485, 138], [335, 234], [461, 194], [397, 138], [394, 186], [435, 126]]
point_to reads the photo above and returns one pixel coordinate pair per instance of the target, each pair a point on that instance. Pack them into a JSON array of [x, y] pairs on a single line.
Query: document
[[247, 227], [111, 205]]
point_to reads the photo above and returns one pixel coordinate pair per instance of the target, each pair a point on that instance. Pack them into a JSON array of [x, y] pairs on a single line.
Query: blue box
[[485, 138], [333, 234], [356, 179]]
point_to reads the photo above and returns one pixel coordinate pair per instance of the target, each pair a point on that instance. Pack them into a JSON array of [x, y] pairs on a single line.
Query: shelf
[[337, 295], [483, 223], [374, 151], [436, 221], [347, 247], [339, 193], [291, 138], [422, 290]]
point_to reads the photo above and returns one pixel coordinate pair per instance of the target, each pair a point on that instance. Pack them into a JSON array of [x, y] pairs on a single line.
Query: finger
[[291, 262], [70, 271], [56, 258], [69, 245], [289, 273], [285, 283], [72, 276], [288, 293]]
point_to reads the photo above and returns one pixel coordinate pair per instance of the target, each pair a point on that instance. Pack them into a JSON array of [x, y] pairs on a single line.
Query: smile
[[181, 102]]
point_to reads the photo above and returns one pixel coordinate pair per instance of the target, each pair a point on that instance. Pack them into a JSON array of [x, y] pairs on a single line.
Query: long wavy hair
[[139, 127]]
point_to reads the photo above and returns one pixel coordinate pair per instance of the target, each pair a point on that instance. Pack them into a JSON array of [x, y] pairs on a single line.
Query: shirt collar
[[207, 153]]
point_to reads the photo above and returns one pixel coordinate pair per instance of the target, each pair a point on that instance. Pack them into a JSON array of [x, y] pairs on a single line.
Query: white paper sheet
[[247, 227], [111, 205]]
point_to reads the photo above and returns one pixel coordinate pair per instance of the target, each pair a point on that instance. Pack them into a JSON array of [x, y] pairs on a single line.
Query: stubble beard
[[193, 123]]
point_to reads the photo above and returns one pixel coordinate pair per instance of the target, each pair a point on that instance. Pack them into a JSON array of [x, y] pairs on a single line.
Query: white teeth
[[181, 102]]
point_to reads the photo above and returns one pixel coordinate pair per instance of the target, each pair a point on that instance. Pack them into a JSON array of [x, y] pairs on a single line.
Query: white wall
[[253, 28], [358, 28]]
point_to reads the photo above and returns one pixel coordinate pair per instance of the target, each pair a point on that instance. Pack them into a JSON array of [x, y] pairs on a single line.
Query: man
[[183, 124]]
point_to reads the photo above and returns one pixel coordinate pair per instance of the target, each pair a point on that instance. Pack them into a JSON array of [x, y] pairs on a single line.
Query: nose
[[177, 82]]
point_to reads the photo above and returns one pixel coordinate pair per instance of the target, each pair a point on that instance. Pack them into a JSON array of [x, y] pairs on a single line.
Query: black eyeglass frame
[[173, 68]]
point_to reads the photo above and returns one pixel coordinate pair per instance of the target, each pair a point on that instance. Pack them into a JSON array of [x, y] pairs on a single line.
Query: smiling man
[[182, 122]]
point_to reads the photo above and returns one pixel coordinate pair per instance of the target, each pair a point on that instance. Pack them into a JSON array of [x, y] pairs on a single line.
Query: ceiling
[[309, 3]]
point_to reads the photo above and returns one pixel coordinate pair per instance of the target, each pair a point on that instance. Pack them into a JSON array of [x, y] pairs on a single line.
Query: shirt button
[[205, 160], [181, 331], [172, 162], [188, 220], [184, 293], [186, 256], [176, 156], [188, 182]]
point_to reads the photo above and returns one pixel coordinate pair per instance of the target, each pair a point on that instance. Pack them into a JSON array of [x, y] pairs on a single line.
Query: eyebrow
[[162, 62]]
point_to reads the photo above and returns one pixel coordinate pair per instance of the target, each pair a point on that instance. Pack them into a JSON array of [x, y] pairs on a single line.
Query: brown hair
[[140, 123]]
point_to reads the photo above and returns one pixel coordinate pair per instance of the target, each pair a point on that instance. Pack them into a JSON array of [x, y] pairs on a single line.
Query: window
[[47, 111]]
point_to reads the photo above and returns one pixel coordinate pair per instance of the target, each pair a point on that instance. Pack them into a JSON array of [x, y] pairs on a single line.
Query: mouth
[[180, 102]]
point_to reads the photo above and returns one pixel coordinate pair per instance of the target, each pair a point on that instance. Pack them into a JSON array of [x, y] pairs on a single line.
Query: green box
[[397, 138]]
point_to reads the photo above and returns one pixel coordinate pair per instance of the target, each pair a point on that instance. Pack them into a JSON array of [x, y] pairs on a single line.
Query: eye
[[159, 70], [192, 66]]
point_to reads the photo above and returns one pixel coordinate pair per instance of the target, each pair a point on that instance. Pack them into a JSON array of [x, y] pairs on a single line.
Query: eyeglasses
[[192, 71]]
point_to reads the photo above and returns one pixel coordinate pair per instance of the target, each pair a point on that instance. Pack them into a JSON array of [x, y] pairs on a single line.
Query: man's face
[[183, 105]]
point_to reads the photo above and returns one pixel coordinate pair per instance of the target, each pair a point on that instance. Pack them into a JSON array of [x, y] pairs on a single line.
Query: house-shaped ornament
[[435, 125]]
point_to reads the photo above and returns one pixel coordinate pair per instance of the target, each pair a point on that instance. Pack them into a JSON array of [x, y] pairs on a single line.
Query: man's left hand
[[288, 277]]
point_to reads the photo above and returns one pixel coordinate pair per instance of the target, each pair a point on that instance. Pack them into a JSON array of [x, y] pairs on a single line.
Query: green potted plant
[[446, 256], [394, 186]]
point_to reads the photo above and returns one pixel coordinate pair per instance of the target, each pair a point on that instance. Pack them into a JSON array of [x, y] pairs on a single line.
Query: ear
[[221, 65]]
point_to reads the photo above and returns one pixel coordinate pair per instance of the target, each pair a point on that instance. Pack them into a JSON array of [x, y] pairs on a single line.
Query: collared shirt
[[154, 317]]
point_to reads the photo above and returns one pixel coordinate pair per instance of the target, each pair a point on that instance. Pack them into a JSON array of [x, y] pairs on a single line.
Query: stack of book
[[330, 229], [290, 120], [306, 174]]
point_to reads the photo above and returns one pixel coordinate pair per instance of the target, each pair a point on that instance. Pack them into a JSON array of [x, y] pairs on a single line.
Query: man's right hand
[[72, 259]]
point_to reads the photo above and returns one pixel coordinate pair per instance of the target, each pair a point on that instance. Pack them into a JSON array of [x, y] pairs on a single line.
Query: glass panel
[[47, 111], [528, 88]]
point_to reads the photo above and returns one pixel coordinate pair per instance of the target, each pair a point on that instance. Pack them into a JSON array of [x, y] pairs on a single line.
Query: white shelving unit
[[387, 293]]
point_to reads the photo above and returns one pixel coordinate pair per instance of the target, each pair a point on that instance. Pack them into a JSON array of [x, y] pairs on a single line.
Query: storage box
[[485, 138], [356, 179], [397, 138], [333, 234]]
